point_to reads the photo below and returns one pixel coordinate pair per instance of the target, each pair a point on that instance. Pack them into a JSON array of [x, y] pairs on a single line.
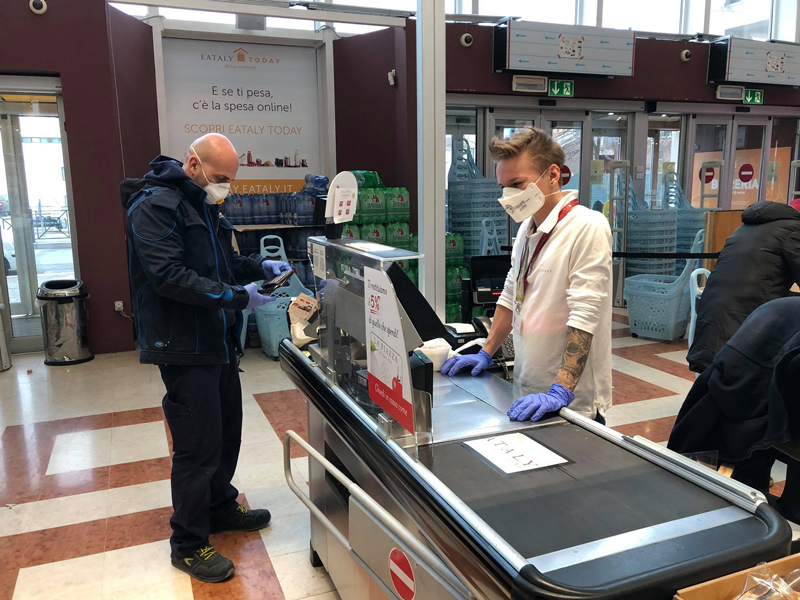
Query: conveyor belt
[[604, 491]]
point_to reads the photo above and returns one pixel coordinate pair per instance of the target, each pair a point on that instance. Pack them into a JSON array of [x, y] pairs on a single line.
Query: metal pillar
[[431, 101]]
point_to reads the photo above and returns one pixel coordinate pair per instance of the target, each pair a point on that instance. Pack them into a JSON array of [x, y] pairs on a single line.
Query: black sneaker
[[206, 565], [243, 519]]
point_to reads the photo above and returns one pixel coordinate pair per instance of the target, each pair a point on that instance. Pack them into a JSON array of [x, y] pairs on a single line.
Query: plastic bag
[[763, 584]]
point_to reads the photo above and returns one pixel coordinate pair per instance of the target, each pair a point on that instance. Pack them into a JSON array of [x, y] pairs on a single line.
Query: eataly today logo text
[[240, 55]]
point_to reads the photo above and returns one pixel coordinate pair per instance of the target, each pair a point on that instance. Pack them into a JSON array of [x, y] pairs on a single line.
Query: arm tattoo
[[575, 356]]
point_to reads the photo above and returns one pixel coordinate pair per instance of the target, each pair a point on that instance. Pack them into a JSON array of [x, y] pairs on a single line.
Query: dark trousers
[[203, 406], [755, 471]]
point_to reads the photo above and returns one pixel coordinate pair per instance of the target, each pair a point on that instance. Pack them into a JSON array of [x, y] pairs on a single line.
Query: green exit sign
[[561, 89], [754, 96]]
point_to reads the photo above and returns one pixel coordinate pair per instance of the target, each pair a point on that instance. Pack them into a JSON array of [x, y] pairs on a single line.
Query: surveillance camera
[[466, 40], [38, 7], [686, 55]]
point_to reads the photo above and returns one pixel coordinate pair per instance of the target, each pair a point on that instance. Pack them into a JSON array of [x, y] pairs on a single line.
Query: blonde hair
[[540, 146]]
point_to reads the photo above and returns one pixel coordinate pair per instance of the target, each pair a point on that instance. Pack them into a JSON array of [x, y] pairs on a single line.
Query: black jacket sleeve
[[247, 269], [158, 242], [791, 253]]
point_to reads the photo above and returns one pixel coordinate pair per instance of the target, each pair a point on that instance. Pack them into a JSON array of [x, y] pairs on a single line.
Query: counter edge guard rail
[[411, 484], [421, 552], [529, 582]]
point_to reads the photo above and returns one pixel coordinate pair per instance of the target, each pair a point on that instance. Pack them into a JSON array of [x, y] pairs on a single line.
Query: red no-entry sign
[[566, 175], [402, 575], [746, 173], [708, 174]]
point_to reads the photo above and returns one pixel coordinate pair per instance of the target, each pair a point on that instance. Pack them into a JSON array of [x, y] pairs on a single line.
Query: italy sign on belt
[[402, 575]]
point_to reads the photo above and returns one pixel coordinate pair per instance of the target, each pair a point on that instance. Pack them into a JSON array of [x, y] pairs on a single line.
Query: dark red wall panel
[[73, 40]]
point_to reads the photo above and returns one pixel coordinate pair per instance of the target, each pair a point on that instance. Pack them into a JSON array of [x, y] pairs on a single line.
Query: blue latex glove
[[478, 362], [535, 406], [273, 268], [256, 298]]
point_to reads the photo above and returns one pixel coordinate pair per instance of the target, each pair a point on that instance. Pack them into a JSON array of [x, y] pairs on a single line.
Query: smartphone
[[274, 284]]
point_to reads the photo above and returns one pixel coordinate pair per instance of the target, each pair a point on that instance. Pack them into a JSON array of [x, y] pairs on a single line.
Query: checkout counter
[[432, 492]]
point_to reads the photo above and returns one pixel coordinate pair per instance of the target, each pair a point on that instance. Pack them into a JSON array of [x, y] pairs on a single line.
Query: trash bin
[[64, 322]]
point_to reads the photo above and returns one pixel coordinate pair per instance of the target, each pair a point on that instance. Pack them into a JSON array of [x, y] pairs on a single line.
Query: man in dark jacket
[[746, 402], [187, 302], [760, 262]]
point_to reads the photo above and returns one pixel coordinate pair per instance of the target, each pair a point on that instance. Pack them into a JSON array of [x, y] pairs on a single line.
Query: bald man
[[188, 289]]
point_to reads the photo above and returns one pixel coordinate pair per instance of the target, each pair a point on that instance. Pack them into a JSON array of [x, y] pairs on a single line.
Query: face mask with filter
[[521, 204]]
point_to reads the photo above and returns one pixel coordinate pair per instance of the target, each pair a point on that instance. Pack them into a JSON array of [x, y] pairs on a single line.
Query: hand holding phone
[[273, 284]]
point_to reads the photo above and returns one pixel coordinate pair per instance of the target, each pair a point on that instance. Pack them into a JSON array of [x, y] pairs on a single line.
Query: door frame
[[725, 182], [760, 121], [50, 86]]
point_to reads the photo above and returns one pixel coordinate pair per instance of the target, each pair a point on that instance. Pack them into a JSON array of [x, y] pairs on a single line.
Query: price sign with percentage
[[388, 370]]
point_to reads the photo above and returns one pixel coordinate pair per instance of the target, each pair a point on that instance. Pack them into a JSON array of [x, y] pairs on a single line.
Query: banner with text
[[262, 97], [388, 370]]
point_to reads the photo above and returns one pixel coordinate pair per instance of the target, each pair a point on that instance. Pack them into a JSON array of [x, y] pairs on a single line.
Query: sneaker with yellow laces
[[243, 519], [206, 564]]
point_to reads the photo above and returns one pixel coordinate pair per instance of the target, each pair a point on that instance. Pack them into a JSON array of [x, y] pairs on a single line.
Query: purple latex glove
[[478, 362], [256, 299], [273, 268], [535, 406]]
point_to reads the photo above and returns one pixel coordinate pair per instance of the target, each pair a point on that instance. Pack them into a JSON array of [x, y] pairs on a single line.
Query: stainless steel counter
[[466, 406]]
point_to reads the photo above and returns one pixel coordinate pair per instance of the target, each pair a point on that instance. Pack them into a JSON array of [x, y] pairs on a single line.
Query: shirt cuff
[[584, 324], [505, 301]]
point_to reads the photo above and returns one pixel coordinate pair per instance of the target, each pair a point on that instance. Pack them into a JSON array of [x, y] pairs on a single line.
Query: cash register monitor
[[422, 316], [488, 277]]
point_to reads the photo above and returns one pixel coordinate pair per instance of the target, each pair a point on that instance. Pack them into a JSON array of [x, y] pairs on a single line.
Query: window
[[461, 125], [783, 149], [543, 11], [304, 24], [628, 14], [135, 10], [409, 5], [203, 16], [784, 20], [663, 147], [749, 19]]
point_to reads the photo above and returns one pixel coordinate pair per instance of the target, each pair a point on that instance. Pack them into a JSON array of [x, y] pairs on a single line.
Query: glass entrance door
[[609, 145], [569, 134], [35, 223], [783, 149], [711, 146], [748, 158]]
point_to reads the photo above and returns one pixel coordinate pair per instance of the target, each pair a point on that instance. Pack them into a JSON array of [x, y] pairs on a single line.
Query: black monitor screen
[[489, 271]]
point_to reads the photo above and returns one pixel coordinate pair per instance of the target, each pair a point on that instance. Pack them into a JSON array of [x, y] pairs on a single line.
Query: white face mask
[[521, 204], [215, 192]]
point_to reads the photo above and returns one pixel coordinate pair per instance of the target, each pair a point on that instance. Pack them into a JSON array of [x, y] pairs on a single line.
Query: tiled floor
[[84, 476]]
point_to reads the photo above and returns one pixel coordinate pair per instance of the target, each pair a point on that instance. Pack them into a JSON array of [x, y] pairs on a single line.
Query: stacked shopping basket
[[471, 200], [651, 231]]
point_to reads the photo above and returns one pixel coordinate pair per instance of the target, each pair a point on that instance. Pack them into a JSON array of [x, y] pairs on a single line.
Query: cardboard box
[[731, 586]]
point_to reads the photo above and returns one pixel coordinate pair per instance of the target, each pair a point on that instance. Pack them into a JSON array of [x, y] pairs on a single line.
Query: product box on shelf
[[374, 232], [398, 235], [398, 207], [371, 206]]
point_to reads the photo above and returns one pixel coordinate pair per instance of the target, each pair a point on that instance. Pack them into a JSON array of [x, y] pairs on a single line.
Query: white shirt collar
[[552, 218]]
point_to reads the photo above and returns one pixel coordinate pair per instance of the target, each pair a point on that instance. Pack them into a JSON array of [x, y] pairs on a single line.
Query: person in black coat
[[760, 262], [746, 402], [188, 288]]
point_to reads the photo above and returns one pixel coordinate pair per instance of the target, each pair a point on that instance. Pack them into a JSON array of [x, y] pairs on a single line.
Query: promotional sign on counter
[[262, 97], [389, 375]]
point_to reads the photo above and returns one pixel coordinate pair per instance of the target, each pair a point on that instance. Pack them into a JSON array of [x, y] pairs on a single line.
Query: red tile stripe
[[286, 410], [25, 452], [632, 389], [646, 355]]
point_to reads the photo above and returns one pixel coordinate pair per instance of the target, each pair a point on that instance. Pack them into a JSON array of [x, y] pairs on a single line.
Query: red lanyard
[[542, 241]]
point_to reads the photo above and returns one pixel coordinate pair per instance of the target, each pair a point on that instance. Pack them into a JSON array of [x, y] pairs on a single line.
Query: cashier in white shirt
[[558, 293]]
